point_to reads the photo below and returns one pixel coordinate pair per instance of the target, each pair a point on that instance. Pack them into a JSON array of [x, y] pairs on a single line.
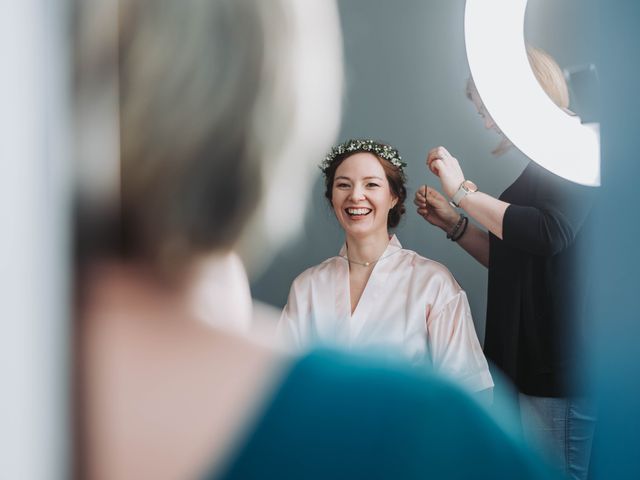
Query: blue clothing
[[338, 416], [561, 428]]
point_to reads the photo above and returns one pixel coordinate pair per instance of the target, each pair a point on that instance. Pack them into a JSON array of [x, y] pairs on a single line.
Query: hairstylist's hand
[[447, 168], [435, 209]]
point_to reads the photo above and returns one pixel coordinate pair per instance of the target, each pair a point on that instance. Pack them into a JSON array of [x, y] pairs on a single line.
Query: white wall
[[34, 329]]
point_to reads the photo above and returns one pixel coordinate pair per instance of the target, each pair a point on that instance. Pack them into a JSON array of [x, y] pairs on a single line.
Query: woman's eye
[[372, 185], [342, 185]]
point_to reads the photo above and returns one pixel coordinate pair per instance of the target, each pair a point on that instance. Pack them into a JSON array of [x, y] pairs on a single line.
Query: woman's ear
[[394, 201]]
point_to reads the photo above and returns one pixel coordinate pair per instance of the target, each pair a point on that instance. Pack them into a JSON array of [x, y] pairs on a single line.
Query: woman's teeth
[[358, 211]]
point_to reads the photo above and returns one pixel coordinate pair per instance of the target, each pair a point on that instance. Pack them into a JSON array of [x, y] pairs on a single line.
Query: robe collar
[[394, 245]]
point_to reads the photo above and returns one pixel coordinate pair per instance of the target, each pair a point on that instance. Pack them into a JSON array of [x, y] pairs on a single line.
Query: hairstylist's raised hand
[[435, 209], [447, 168]]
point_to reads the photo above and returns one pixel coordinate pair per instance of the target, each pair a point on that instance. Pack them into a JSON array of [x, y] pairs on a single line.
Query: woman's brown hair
[[395, 177]]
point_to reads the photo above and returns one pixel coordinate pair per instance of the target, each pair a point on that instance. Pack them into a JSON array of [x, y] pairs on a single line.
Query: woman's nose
[[357, 193]]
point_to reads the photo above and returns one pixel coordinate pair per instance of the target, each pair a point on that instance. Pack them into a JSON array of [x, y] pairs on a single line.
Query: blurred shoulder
[[356, 404]]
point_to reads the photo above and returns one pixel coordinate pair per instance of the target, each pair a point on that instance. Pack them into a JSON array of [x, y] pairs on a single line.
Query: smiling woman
[[346, 299]]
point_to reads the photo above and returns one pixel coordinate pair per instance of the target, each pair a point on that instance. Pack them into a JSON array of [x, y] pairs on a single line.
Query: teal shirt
[[339, 416]]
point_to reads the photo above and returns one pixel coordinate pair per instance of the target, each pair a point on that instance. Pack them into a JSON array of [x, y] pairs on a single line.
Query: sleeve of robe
[[454, 346], [294, 321]]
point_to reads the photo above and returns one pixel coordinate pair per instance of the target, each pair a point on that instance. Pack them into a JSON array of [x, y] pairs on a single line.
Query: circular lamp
[[497, 55]]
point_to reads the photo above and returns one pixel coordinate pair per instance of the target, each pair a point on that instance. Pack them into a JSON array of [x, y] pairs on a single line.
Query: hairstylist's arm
[[485, 209], [436, 210], [545, 228]]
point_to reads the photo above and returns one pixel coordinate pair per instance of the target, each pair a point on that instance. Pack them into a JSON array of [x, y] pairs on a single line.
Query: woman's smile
[[357, 213]]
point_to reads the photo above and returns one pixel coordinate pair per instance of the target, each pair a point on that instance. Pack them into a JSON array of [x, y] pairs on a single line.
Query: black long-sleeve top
[[538, 285]]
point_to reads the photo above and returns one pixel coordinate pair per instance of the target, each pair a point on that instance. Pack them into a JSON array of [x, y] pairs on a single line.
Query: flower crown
[[365, 145]]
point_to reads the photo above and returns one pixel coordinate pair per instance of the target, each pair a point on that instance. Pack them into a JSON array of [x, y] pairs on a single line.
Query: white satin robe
[[410, 303]]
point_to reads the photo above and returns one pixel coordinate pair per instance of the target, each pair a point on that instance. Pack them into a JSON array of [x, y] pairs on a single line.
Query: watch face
[[469, 186]]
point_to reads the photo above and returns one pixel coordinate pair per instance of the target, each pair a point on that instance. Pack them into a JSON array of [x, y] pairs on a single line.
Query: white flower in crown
[[381, 150]]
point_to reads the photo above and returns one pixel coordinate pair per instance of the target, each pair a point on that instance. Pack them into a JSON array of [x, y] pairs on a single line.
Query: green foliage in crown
[[381, 150]]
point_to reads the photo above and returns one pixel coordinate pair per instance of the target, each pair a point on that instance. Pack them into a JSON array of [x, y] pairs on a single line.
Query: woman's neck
[[367, 249], [136, 326], [214, 291]]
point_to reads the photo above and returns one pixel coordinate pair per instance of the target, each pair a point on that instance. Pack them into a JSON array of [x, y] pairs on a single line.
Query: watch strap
[[462, 192], [459, 195]]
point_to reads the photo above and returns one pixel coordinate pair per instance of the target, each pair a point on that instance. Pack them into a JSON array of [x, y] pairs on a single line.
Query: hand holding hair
[[446, 167], [435, 208]]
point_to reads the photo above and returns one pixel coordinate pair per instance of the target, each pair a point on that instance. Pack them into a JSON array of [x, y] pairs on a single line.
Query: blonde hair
[[549, 76]]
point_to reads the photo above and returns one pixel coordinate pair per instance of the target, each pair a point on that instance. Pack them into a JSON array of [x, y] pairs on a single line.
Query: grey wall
[[406, 70]]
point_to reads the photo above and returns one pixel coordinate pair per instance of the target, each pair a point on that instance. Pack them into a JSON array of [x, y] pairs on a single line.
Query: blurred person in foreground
[[533, 248], [220, 109], [375, 293]]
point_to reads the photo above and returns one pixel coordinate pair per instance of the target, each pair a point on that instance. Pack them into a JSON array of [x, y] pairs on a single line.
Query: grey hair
[[204, 94], [191, 77]]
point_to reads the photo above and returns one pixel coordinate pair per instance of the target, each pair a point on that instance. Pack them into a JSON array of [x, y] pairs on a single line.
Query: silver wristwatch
[[464, 189]]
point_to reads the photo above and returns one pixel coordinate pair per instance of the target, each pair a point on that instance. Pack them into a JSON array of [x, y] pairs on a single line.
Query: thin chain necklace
[[366, 264]]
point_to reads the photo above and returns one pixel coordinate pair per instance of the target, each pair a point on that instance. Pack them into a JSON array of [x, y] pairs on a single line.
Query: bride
[[374, 293]]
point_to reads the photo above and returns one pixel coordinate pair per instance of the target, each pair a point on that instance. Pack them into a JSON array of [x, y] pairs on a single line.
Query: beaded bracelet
[[452, 233], [462, 230]]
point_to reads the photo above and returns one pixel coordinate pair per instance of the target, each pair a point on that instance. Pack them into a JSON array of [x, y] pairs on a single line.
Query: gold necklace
[[366, 264]]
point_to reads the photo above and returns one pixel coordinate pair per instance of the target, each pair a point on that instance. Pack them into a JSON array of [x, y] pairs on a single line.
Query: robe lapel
[[341, 298], [367, 306]]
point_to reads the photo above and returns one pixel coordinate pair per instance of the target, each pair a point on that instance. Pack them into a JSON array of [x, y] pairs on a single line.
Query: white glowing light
[[494, 36]]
